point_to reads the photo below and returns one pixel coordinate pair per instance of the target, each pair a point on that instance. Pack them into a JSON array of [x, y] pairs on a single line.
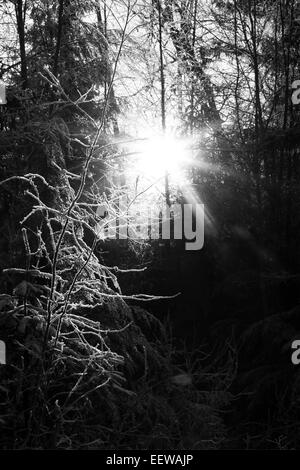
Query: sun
[[162, 155]]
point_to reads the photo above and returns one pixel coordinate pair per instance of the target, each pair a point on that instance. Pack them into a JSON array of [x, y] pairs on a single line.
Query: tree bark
[[59, 36], [20, 10]]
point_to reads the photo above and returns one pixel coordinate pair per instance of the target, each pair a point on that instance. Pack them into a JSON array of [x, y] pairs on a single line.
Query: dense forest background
[[102, 352]]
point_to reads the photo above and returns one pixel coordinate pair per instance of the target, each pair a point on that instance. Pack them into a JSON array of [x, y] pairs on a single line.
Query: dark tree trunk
[[20, 10], [59, 36]]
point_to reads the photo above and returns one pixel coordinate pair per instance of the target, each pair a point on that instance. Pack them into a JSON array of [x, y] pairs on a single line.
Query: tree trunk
[[20, 10], [59, 36]]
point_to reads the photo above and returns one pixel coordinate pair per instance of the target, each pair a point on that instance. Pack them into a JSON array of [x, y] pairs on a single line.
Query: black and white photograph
[[150, 228]]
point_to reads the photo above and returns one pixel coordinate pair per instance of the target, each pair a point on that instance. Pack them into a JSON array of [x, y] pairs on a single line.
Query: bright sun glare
[[160, 155]]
